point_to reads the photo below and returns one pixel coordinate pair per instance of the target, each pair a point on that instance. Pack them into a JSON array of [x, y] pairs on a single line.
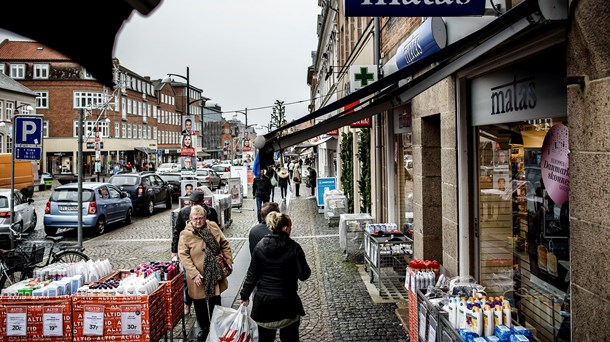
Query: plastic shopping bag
[[228, 324]]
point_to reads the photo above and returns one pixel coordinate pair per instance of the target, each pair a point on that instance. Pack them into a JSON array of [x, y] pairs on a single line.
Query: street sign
[[28, 137]]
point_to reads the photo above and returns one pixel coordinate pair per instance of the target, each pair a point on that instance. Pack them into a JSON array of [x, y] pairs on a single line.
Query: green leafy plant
[[364, 183], [347, 169]]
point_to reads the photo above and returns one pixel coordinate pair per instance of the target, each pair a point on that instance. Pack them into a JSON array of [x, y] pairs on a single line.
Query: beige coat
[[296, 175], [191, 251]]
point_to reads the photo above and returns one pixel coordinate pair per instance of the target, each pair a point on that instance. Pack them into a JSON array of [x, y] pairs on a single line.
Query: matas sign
[[414, 8]]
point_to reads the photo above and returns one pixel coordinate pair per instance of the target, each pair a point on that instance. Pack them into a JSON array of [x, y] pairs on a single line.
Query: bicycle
[[18, 264]]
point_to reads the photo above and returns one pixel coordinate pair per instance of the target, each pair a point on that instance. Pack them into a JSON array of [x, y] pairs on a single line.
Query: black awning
[[385, 94], [145, 149], [67, 26]]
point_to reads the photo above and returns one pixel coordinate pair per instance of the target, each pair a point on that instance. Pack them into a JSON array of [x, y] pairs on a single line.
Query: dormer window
[[41, 71], [87, 75], [17, 71]]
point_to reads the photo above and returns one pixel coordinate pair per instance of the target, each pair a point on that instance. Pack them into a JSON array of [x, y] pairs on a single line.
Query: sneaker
[[187, 309]]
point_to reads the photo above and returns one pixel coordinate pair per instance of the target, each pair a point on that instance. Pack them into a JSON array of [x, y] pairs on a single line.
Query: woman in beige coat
[[200, 243]]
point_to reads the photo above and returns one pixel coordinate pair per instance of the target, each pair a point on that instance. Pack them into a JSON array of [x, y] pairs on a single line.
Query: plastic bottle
[[477, 321], [488, 321], [461, 315], [453, 311], [497, 315], [506, 314]]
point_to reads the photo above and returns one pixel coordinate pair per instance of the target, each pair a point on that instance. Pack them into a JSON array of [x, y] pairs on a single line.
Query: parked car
[[103, 204], [223, 170], [46, 181], [168, 167], [145, 189], [209, 178], [25, 215]]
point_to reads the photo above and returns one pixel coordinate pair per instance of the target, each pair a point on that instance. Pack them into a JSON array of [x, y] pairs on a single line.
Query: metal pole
[[188, 90], [81, 114], [12, 203]]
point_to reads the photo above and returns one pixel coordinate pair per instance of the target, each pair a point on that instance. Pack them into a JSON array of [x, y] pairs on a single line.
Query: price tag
[[16, 320], [94, 320], [131, 320], [52, 321]]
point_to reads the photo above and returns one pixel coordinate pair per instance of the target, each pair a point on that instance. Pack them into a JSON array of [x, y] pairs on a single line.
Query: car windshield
[[221, 168], [202, 173], [167, 178], [165, 166], [124, 180], [4, 202], [70, 195]]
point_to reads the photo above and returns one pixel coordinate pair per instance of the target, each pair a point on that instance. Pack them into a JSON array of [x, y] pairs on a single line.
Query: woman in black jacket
[[278, 262]]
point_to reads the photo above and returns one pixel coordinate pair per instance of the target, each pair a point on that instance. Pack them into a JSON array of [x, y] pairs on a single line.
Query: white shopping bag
[[228, 324]]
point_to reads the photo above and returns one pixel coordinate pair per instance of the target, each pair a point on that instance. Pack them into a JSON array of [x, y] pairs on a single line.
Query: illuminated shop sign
[[414, 8]]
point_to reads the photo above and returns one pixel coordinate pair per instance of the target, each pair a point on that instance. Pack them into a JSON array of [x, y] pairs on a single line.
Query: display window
[[523, 215]]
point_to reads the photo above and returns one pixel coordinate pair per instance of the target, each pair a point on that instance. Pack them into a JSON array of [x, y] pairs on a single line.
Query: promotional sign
[[323, 185], [361, 76], [241, 172], [366, 122], [235, 190], [414, 8], [28, 137], [187, 125], [430, 37], [554, 164]]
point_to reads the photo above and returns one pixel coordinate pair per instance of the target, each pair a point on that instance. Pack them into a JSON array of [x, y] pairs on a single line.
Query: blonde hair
[[197, 209], [276, 221]]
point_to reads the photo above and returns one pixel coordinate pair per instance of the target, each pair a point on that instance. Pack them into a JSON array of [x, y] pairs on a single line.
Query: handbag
[[295, 179], [273, 181], [228, 324], [224, 265]]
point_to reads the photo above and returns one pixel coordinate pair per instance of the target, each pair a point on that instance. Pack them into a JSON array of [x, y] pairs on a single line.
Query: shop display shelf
[[351, 237], [386, 259], [37, 327]]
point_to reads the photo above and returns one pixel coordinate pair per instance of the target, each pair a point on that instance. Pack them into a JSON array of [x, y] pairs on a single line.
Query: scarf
[[212, 273]]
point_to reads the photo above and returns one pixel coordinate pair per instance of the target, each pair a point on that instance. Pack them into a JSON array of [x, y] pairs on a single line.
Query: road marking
[[166, 240]]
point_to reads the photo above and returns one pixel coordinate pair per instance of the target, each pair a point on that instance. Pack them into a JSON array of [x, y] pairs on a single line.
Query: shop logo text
[[514, 96]]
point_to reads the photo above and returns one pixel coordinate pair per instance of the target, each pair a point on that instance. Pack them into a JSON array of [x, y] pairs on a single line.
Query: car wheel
[[150, 209], [50, 230], [128, 217], [34, 222], [100, 227]]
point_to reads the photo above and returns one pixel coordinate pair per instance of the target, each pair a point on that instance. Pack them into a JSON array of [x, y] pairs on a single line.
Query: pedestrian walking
[[259, 230], [283, 181], [297, 180], [196, 198], [261, 188], [312, 177], [200, 245], [278, 263], [291, 168], [272, 175]]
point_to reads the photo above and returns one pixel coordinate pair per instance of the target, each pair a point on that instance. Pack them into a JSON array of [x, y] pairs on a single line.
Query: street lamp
[[14, 151], [188, 87]]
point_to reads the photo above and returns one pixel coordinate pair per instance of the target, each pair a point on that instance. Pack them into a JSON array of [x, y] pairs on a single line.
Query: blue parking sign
[[28, 137]]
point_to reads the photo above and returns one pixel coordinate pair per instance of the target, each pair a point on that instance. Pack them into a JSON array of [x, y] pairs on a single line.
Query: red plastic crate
[[36, 308]]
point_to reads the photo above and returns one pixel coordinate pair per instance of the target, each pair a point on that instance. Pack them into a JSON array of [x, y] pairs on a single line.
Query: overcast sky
[[241, 53]]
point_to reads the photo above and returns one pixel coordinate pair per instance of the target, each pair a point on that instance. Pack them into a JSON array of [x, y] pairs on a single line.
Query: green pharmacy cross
[[364, 76]]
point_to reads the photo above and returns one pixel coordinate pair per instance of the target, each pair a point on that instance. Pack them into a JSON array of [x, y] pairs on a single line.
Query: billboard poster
[[187, 125], [235, 190], [323, 185]]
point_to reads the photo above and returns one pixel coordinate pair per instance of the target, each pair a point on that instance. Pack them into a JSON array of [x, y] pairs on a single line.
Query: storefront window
[[523, 214]]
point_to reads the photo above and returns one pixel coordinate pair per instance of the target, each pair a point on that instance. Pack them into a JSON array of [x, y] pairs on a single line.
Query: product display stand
[[174, 305], [386, 259], [351, 237], [335, 204]]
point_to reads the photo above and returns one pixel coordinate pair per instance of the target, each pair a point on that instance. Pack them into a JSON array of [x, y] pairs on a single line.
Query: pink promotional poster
[[555, 164]]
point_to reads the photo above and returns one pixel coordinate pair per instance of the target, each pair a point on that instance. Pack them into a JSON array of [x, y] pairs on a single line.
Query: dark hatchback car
[[173, 179], [145, 189]]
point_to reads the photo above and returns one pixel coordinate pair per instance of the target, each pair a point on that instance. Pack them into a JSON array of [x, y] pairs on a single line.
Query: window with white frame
[[154, 130], [2, 68], [123, 130], [1, 110], [45, 129], [2, 143], [9, 106], [17, 71], [129, 106], [42, 99], [41, 71], [9, 143], [154, 111], [117, 130], [149, 132], [124, 110], [90, 128], [22, 108], [88, 99], [128, 131]]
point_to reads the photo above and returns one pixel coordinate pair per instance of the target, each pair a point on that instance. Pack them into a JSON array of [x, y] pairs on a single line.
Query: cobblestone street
[[337, 303]]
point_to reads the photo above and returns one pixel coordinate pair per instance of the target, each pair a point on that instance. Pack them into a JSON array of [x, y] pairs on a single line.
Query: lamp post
[[14, 152], [188, 87]]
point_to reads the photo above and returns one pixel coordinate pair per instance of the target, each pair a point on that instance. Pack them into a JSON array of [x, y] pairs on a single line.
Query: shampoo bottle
[[488, 321], [497, 315], [477, 321], [506, 315]]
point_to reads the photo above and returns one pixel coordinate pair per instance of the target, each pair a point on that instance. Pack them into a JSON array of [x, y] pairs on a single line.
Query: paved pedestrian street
[[337, 303]]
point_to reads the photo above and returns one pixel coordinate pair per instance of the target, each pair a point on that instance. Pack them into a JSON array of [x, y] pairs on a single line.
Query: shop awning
[[385, 93], [145, 149]]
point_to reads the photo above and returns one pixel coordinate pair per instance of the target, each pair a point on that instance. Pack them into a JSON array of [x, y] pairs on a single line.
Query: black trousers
[[284, 190], [287, 334], [297, 186], [201, 311]]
